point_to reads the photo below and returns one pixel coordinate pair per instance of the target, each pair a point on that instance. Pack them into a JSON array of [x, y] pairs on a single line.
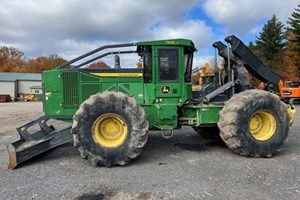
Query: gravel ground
[[183, 167]]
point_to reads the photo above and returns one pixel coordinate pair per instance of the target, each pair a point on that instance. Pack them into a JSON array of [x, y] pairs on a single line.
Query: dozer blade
[[32, 144]]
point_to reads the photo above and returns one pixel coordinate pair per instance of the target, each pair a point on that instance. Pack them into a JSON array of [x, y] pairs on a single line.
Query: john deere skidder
[[112, 110]]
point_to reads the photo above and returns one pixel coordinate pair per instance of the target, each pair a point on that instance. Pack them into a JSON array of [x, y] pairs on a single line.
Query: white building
[[14, 84]]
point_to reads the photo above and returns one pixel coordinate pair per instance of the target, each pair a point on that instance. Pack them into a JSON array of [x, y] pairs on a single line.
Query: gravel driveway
[[183, 167]]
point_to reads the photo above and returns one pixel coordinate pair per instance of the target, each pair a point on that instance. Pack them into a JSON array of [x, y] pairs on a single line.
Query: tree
[[11, 59], [42, 63], [97, 65], [271, 41], [293, 36], [294, 31]]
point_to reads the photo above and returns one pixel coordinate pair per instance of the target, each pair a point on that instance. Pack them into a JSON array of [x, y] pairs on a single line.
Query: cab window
[[168, 65]]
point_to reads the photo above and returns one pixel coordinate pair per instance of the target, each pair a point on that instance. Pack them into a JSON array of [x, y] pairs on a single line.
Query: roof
[[170, 42], [5, 76], [36, 87]]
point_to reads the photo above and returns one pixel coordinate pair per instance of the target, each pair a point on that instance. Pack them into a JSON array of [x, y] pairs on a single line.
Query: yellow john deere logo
[[165, 90]]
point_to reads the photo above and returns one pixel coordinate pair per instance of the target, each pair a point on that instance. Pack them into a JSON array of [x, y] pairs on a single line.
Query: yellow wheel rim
[[109, 130], [262, 125]]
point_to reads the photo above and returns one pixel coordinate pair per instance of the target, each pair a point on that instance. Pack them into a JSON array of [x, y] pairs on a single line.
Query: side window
[[147, 62], [168, 65], [188, 63]]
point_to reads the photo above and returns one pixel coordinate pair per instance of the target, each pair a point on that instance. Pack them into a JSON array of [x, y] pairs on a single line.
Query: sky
[[70, 28]]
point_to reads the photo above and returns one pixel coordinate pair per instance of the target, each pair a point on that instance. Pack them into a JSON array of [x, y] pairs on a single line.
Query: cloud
[[242, 16], [72, 27], [196, 30], [58, 26]]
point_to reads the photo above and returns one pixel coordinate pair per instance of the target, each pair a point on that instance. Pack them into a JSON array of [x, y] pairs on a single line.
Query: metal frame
[[93, 52]]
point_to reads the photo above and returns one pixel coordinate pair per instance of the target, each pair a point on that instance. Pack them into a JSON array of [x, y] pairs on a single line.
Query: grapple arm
[[252, 63]]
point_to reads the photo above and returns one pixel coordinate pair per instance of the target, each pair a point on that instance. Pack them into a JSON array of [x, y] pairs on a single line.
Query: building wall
[[7, 88], [24, 86], [15, 83]]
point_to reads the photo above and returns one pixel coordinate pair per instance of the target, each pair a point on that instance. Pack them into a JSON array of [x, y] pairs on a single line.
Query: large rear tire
[[110, 128], [254, 123]]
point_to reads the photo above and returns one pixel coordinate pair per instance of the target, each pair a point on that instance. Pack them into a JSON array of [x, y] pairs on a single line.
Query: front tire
[[110, 128], [254, 123]]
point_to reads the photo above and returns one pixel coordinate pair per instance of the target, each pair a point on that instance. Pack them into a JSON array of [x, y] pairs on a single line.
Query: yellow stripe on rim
[[109, 130], [118, 74], [262, 125]]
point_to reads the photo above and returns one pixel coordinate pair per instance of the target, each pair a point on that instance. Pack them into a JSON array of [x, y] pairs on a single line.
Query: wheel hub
[[262, 125], [109, 130]]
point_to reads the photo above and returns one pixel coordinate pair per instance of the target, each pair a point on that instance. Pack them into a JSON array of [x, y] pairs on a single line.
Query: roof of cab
[[169, 42]]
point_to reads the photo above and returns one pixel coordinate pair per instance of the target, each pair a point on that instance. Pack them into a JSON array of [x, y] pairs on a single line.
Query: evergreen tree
[[294, 31], [271, 41], [293, 35]]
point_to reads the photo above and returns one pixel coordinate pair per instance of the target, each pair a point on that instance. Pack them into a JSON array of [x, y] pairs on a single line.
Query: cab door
[[168, 77]]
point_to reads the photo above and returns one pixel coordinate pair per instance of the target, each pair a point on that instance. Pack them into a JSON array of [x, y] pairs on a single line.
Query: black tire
[[208, 132], [113, 104], [243, 111]]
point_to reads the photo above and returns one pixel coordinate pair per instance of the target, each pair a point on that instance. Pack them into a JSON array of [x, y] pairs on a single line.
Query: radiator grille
[[70, 89]]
